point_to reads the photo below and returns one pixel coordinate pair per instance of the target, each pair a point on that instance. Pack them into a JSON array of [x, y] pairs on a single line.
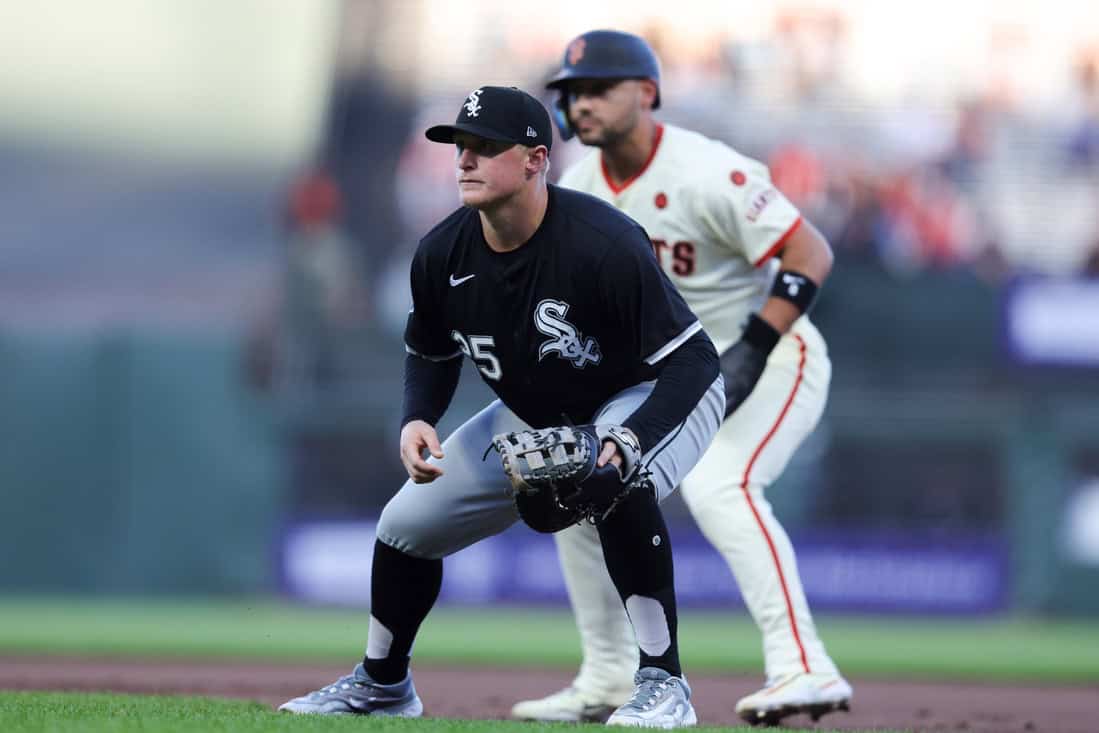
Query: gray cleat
[[357, 694], [660, 701]]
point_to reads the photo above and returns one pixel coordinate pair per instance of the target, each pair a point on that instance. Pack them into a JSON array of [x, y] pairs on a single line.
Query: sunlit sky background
[[247, 78]]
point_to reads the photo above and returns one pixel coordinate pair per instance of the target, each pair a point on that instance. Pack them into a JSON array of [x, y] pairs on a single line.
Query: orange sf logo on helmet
[[576, 51]]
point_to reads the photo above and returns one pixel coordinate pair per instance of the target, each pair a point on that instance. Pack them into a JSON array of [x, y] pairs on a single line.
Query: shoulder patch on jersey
[[565, 340], [759, 203], [661, 200], [738, 178]]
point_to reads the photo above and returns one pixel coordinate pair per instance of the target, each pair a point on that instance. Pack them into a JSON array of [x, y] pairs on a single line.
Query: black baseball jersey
[[558, 326]]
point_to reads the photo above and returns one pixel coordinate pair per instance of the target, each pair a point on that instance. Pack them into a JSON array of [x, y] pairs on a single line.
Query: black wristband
[[795, 288], [760, 333]]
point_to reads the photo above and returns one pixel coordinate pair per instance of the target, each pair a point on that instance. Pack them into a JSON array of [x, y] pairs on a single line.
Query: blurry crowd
[[983, 184]]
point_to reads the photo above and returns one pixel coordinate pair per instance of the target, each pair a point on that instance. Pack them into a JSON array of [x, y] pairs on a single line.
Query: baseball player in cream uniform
[[748, 265]]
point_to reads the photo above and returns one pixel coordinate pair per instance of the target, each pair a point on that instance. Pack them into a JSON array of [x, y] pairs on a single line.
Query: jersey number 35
[[479, 351]]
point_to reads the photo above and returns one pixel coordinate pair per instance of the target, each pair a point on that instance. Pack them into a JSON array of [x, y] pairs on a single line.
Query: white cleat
[[571, 705], [813, 694], [660, 701]]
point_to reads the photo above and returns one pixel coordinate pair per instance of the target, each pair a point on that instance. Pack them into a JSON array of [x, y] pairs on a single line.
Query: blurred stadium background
[[208, 209]]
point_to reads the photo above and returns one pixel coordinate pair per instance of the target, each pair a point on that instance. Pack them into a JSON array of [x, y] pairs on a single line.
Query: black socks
[[403, 589]]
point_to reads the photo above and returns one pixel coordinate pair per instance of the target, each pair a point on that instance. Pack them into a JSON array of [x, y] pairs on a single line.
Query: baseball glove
[[554, 478]]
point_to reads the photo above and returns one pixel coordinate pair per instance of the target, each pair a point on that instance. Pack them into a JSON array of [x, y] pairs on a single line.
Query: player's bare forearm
[[780, 314], [808, 253]]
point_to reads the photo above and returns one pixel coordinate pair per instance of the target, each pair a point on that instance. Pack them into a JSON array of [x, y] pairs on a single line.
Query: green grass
[[49, 712], [995, 650]]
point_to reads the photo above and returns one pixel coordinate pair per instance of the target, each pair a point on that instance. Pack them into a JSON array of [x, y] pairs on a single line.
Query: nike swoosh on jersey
[[459, 280]]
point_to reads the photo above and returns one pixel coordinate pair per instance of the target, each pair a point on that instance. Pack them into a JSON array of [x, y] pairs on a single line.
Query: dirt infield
[[486, 693]]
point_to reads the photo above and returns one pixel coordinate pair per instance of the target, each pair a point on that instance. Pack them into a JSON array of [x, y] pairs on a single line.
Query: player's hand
[[610, 454], [416, 437], [743, 364]]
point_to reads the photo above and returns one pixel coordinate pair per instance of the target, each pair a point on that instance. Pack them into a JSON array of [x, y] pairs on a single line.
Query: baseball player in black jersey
[[558, 300]]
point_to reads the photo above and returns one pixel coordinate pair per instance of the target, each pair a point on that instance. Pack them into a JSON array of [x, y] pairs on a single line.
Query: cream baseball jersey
[[715, 221]]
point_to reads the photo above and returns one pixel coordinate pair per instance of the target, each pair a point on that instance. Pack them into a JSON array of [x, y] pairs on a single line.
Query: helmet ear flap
[[560, 114]]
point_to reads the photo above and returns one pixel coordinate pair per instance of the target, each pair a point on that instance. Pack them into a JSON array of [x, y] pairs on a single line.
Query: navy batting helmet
[[602, 55]]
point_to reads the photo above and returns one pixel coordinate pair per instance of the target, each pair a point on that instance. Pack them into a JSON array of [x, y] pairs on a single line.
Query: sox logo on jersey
[[566, 341]]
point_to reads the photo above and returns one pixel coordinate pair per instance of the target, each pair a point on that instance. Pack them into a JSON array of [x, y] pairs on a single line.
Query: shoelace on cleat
[[650, 690], [343, 683]]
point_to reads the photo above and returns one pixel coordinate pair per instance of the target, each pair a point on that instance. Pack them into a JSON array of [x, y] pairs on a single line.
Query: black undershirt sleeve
[[685, 375], [429, 387]]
